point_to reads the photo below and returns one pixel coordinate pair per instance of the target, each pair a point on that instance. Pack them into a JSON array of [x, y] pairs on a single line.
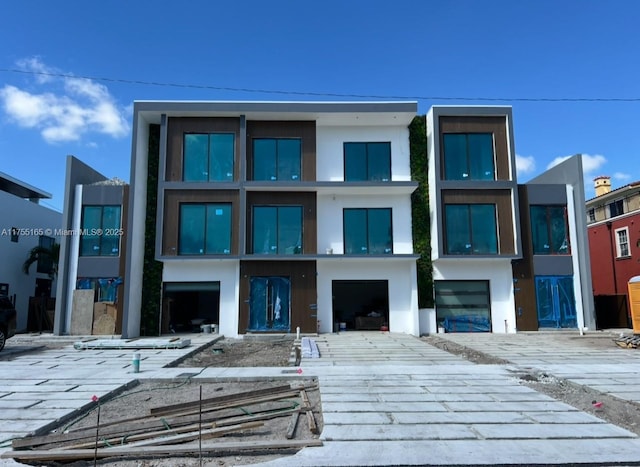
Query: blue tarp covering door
[[556, 302], [269, 304]]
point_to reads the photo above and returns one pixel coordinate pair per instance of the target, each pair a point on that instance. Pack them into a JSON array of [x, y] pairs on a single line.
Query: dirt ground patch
[[248, 352], [624, 414], [139, 400]]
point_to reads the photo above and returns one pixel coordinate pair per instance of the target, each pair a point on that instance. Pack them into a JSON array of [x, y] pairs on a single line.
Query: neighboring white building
[[273, 216], [25, 224]]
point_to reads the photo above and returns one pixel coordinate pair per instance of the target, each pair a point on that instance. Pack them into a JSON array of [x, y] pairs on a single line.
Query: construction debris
[[167, 430], [628, 342], [309, 348]]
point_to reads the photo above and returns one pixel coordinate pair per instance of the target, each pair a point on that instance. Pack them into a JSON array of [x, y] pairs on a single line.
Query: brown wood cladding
[[302, 275], [306, 200], [171, 221], [306, 131], [495, 125], [524, 286], [178, 126], [502, 200], [123, 258]]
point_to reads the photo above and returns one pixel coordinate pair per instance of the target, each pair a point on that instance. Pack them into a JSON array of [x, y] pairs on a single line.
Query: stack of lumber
[[628, 342], [166, 430]]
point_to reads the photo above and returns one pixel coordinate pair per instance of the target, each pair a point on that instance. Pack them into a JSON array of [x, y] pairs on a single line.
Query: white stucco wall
[[500, 277], [330, 152], [225, 272], [403, 296], [33, 219], [330, 219]]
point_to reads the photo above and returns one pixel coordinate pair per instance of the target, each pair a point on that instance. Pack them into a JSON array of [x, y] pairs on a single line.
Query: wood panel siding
[[523, 277], [305, 130], [302, 275], [171, 219], [480, 124], [309, 219], [177, 127], [502, 200]]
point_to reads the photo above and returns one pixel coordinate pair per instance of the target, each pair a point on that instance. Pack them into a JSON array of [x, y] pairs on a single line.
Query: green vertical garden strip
[[421, 229]]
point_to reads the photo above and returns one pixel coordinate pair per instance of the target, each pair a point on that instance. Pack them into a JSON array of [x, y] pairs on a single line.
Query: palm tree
[[48, 258]]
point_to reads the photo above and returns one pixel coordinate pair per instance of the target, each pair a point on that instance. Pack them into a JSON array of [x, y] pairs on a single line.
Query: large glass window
[[368, 231], [101, 231], [468, 156], [45, 261], [208, 157], [205, 229], [277, 230], [622, 242], [367, 162], [471, 229], [277, 159], [549, 230]]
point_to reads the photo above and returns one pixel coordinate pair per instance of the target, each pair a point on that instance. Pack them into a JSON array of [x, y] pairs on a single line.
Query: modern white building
[[25, 224], [270, 216], [506, 257]]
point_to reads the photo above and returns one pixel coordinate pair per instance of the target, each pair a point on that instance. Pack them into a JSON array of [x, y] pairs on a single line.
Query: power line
[[325, 94]]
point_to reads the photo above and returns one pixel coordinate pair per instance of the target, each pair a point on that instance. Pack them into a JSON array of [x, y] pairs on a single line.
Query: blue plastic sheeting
[[467, 324]]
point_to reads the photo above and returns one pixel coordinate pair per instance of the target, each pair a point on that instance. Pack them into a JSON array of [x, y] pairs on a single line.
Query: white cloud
[[81, 106], [621, 176], [525, 164]]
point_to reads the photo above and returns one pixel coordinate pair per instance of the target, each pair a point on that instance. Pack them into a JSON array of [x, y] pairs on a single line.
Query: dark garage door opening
[[360, 305], [187, 305]]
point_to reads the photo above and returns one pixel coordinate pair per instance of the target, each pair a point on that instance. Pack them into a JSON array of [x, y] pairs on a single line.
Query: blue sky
[[435, 52]]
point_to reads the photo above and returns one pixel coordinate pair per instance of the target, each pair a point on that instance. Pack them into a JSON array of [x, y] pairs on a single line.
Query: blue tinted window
[[101, 231], [367, 162], [549, 230], [196, 156], [471, 229], [277, 159], [208, 157], [277, 230], [205, 229], [368, 231], [468, 156]]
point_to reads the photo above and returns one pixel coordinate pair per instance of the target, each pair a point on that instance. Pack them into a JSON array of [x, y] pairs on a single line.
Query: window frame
[[470, 246], [45, 263], [298, 249], [102, 233], [205, 225], [623, 248], [619, 204], [368, 231], [469, 156], [591, 215], [209, 158], [368, 165], [549, 231], [277, 166]]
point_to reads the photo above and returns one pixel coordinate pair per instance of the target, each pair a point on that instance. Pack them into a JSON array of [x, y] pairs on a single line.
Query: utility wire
[[326, 94]]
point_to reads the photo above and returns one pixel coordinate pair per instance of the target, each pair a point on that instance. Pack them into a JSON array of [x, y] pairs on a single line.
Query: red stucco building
[[613, 223]]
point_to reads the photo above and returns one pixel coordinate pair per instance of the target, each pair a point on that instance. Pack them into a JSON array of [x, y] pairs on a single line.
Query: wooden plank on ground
[[293, 423], [139, 452], [216, 400]]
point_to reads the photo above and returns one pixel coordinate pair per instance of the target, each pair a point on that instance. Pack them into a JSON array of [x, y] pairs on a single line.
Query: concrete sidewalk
[[387, 399], [391, 399], [40, 388]]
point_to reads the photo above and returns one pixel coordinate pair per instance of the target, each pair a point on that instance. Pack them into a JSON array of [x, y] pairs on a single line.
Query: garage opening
[[188, 305], [360, 305]]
